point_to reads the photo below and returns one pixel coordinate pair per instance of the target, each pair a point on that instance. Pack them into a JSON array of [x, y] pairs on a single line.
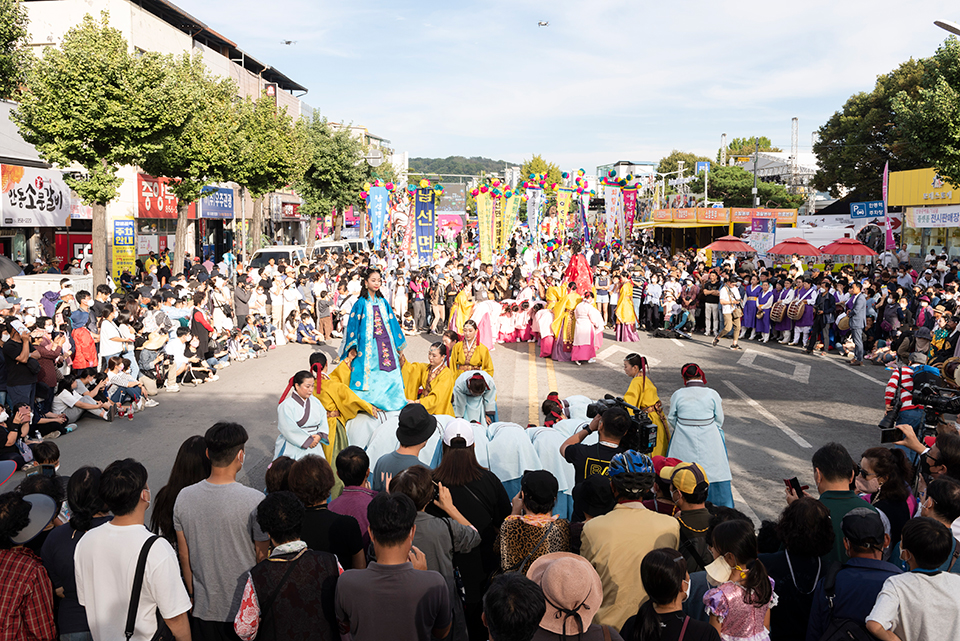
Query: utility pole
[[723, 150], [756, 159]]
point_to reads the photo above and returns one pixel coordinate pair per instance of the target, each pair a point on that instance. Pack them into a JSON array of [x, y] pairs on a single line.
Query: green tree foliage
[[13, 54], [537, 165], [669, 163], [930, 117], [747, 146], [856, 142], [334, 171], [458, 165], [733, 185], [206, 147], [92, 103]]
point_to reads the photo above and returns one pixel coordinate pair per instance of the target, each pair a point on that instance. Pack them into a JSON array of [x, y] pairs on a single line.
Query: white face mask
[[718, 572], [3, 416], [686, 592], [5, 336]]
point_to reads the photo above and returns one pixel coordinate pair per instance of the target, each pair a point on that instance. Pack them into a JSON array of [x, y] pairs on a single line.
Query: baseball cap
[[863, 526], [661, 463], [687, 477], [458, 428]]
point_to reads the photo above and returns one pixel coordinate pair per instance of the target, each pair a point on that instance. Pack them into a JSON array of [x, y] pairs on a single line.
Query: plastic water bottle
[[37, 435]]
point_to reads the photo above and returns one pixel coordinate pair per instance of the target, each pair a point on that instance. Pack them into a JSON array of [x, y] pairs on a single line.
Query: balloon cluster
[[425, 184], [611, 179], [376, 183], [551, 244], [580, 182], [496, 189]]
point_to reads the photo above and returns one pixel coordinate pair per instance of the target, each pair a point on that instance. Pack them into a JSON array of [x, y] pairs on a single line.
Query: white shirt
[[109, 347], [63, 400], [729, 297], [105, 563], [919, 606], [175, 347]]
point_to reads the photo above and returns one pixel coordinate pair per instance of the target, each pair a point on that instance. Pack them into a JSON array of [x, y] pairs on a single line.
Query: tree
[[855, 143], [93, 104], [205, 148], [13, 40], [930, 118], [537, 165], [733, 186], [267, 158], [334, 172], [669, 164], [747, 146]]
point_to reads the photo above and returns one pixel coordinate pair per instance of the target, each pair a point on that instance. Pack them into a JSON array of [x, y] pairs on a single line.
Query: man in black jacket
[[241, 301], [825, 308]]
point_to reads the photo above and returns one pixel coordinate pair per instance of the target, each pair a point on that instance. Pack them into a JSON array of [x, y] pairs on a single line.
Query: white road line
[[676, 341], [773, 420], [843, 364], [801, 371], [741, 504]]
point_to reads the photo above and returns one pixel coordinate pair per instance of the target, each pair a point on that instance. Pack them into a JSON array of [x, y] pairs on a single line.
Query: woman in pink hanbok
[[507, 333], [588, 331], [542, 323]]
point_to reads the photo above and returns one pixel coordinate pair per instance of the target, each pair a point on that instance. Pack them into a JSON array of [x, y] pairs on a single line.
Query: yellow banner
[[485, 222], [564, 198], [511, 206]]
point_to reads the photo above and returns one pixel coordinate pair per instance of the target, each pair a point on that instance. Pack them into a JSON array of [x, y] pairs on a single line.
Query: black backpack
[[840, 629]]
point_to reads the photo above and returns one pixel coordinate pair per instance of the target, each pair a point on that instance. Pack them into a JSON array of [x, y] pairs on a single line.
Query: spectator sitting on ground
[[307, 332], [419, 599], [922, 603], [833, 472], [291, 594], [513, 608], [353, 468]]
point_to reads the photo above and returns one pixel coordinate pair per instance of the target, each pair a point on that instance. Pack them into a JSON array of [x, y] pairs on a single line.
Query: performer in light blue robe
[[375, 335], [301, 419], [547, 441], [696, 420], [476, 408], [510, 453]]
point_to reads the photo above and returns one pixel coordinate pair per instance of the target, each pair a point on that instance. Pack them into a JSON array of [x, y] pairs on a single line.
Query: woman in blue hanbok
[[374, 336], [301, 420]]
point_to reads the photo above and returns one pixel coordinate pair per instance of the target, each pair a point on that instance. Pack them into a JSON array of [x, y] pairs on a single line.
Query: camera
[[642, 435], [936, 402]]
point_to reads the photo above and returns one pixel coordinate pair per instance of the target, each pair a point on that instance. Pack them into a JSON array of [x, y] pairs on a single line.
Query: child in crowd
[[409, 328], [307, 331], [324, 315]]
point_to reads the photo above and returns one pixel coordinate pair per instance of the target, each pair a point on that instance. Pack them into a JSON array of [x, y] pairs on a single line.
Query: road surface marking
[[551, 378], [604, 357], [843, 365], [773, 420], [801, 371], [676, 341], [741, 504], [534, 403]]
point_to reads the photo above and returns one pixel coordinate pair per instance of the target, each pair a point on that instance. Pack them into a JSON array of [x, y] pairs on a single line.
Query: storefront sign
[[124, 247], [218, 203], [920, 187], [685, 215], [783, 216], [34, 197], [713, 215], [663, 215], [933, 217], [154, 199], [70, 246]]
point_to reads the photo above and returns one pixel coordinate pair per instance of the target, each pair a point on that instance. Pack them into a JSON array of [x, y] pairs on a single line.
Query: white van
[[290, 254], [336, 247]]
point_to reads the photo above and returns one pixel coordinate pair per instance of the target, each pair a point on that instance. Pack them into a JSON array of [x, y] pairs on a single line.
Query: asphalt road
[[780, 405]]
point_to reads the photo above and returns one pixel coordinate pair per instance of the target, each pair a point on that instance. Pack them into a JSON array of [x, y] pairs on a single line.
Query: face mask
[[890, 300], [718, 572], [5, 336], [3, 416], [866, 486], [686, 592]]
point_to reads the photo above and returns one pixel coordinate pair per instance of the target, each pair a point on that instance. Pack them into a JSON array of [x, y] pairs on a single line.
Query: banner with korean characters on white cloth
[[34, 197]]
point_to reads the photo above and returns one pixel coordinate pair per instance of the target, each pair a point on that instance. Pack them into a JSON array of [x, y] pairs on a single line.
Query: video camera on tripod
[[936, 402], [642, 436]]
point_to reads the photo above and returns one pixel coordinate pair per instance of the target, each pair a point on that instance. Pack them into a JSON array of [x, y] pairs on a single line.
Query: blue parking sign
[[869, 209]]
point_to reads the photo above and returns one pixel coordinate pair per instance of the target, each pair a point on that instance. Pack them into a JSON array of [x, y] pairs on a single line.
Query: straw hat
[[572, 589]]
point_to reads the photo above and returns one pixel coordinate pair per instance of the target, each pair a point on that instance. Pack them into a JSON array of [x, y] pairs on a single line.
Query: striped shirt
[[906, 389]]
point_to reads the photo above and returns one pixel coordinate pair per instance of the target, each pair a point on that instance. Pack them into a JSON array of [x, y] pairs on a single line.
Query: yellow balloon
[[366, 186], [424, 183]]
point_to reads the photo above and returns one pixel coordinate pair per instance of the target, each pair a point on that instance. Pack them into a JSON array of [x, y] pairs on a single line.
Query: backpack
[[665, 333], [48, 301], [840, 629]]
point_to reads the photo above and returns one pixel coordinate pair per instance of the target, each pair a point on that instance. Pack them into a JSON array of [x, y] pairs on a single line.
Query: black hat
[[42, 510], [594, 496], [540, 486], [863, 527], [416, 425]]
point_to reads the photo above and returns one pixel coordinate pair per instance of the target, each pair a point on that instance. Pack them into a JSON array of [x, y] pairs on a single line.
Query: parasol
[[850, 250], [731, 244], [792, 246], [8, 268]]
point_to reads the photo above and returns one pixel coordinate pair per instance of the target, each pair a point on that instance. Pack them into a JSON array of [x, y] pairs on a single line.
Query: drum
[[843, 324], [777, 311], [795, 310]]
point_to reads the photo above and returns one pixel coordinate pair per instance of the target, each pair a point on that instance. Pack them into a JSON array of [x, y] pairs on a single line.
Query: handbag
[[26, 452], [738, 308], [163, 632]]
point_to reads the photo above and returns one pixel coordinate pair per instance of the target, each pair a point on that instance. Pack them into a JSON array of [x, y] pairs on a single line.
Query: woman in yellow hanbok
[[642, 393], [626, 316], [462, 309], [564, 324], [430, 383], [470, 354]]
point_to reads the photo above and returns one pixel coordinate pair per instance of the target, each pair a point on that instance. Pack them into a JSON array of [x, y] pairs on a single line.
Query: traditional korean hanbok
[[564, 326], [375, 373], [785, 324], [749, 308], [474, 408], [475, 355], [642, 393], [696, 417], [587, 333], [298, 419], [341, 406], [432, 387], [626, 316], [765, 301], [547, 441], [461, 311], [542, 323], [486, 314], [510, 453]]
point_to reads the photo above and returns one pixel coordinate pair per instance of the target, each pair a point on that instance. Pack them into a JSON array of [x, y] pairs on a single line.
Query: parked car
[[291, 254]]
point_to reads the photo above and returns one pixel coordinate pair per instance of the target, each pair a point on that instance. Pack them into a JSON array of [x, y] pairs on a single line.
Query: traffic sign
[[869, 209], [703, 166]]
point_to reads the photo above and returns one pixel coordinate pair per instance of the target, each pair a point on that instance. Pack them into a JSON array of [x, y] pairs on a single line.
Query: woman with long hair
[[642, 393], [87, 511], [470, 354], [884, 477], [191, 466], [478, 494], [666, 581], [373, 336]]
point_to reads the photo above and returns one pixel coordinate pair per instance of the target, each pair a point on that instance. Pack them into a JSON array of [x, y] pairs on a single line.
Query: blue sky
[[607, 80]]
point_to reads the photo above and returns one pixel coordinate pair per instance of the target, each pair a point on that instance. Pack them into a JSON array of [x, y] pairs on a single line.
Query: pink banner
[[630, 209], [408, 233], [889, 242]]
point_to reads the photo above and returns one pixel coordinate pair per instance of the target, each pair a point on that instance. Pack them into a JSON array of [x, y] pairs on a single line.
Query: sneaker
[[214, 378], [52, 435], [171, 388], [111, 414], [592, 360], [150, 403], [69, 428]]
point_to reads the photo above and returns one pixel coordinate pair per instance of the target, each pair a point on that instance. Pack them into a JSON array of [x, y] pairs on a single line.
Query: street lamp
[[948, 25]]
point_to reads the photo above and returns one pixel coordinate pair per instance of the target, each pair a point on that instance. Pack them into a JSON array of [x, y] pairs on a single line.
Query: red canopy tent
[[730, 244], [792, 246], [850, 250]]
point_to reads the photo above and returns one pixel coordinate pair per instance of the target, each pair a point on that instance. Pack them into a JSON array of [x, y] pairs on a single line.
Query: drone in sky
[[288, 42], [543, 24]]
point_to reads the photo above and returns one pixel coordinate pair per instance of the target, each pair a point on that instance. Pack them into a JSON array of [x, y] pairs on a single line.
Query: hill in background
[[458, 165]]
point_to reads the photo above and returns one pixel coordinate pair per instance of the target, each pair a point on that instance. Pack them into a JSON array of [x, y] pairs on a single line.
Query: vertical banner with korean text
[[378, 213], [584, 205], [495, 223], [426, 226], [564, 197], [511, 206], [484, 222], [534, 209], [124, 247], [629, 209], [407, 247], [611, 201], [888, 227]]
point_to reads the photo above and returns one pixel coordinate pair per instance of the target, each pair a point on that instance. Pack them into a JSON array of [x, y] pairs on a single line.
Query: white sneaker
[[171, 388], [213, 378], [592, 360], [150, 403]]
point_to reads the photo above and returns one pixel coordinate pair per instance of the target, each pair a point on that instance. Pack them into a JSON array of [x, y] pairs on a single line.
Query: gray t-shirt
[[418, 602], [220, 526], [392, 464]]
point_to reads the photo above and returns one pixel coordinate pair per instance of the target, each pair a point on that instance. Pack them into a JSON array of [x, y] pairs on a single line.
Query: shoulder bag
[[457, 578], [738, 305], [163, 632], [840, 629]]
